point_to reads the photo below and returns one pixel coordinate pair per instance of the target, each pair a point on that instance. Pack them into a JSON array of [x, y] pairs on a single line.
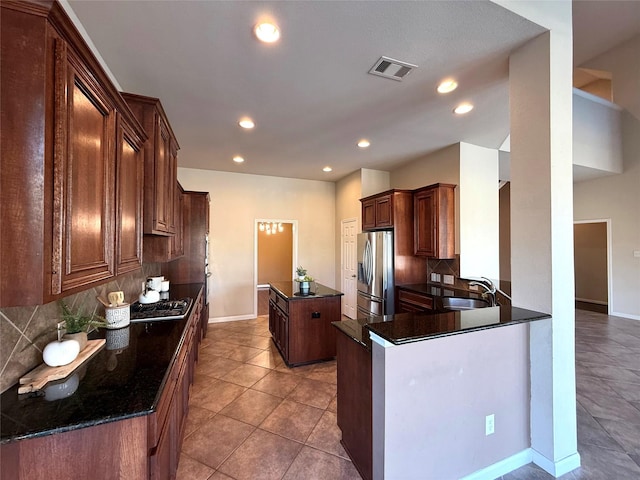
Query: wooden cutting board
[[37, 378]]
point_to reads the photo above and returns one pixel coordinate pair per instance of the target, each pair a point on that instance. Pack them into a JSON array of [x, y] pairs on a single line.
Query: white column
[[542, 233]]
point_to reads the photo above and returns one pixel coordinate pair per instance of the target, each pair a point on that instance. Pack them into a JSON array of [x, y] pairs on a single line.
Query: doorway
[[275, 257], [592, 264]]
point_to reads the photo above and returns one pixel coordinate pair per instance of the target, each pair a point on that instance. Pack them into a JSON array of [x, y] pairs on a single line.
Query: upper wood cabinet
[[377, 212], [434, 209], [129, 195], [393, 210], [65, 187], [160, 165]]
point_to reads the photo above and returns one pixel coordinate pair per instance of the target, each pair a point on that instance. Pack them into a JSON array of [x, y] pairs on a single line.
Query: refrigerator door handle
[[367, 261]]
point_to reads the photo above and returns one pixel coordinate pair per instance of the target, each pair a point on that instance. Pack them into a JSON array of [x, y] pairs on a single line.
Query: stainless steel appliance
[[375, 274]]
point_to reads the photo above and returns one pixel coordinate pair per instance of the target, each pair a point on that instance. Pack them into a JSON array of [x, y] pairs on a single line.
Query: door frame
[[606, 221], [294, 253]]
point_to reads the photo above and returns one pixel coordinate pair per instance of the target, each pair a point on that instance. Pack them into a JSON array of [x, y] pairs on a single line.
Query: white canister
[[117, 317], [154, 283], [164, 287]]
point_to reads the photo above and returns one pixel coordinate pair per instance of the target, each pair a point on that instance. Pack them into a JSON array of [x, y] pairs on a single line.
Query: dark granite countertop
[[122, 380], [290, 290], [413, 327]]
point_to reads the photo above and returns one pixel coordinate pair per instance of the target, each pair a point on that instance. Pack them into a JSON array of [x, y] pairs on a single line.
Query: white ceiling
[[310, 94]]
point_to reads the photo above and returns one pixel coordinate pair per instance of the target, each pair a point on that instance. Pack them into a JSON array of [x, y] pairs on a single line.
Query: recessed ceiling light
[[246, 123], [364, 143], [447, 86], [463, 108], [238, 159], [267, 32], [327, 169]]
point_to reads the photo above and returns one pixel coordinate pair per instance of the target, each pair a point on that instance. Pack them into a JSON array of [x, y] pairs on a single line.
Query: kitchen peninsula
[[301, 324], [415, 388]]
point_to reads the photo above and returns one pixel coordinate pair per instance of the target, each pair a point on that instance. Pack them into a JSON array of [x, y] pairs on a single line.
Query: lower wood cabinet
[[141, 447], [410, 301], [355, 403], [301, 328]]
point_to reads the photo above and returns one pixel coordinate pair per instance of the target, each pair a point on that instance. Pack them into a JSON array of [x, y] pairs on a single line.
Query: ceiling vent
[[389, 68]]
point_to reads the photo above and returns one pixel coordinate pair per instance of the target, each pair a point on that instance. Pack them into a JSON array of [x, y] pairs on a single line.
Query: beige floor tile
[[216, 439], [292, 420], [327, 377], [217, 367], [251, 407], [313, 392], [313, 464], [263, 456], [278, 383], [215, 396], [195, 419], [267, 359], [220, 476], [333, 405], [326, 436], [190, 469], [246, 375], [242, 353]]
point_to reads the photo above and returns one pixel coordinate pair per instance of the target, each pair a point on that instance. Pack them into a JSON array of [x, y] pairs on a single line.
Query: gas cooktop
[[162, 310]]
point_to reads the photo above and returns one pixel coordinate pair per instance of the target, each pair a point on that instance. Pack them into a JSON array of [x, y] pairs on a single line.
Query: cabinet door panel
[[425, 228], [384, 212], [129, 194], [83, 178], [368, 215]]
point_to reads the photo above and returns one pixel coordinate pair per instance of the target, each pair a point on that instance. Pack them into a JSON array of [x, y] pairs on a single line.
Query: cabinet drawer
[[412, 298], [282, 304]]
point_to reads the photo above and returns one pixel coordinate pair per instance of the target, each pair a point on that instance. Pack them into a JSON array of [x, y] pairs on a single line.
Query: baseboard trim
[[625, 315], [502, 467], [589, 300], [559, 468], [235, 318]]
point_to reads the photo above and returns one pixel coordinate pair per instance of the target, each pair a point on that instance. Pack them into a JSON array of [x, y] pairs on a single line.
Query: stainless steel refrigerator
[[375, 274]]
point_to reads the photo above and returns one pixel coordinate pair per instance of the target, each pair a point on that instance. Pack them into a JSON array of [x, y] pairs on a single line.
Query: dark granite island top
[[115, 384], [290, 290], [413, 327]]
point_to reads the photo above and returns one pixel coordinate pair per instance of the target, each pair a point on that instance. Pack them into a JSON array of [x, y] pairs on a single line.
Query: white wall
[[237, 200], [374, 181], [624, 64], [430, 400], [617, 197], [348, 194], [597, 133], [479, 208]]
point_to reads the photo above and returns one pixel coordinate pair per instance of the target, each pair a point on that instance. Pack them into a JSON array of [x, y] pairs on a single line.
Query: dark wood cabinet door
[[83, 246], [368, 215], [424, 207], [162, 177], [129, 188], [384, 211], [177, 240]]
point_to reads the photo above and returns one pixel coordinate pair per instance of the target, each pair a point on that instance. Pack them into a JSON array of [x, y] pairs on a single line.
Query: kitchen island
[[120, 415], [301, 324], [414, 389]]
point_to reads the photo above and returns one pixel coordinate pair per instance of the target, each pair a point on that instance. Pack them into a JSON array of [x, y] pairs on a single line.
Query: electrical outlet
[[489, 425], [448, 279], [636, 253], [473, 287], [435, 277]]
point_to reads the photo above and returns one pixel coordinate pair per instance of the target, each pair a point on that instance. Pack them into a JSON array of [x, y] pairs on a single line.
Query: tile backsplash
[[24, 331]]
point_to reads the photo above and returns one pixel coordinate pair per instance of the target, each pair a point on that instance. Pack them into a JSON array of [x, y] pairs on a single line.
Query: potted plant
[[301, 272], [305, 284], [76, 324]]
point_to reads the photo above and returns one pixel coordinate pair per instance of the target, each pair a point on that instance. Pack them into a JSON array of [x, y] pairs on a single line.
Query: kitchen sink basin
[[460, 303]]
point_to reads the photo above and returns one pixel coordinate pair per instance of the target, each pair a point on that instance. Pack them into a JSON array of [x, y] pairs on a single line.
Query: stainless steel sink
[[460, 303]]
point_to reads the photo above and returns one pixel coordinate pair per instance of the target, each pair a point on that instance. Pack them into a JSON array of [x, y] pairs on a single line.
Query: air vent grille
[[389, 68]]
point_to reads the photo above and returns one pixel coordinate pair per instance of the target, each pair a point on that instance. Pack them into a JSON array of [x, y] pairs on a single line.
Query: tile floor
[[253, 418]]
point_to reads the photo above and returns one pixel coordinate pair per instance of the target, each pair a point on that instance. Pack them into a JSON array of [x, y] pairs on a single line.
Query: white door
[[348, 268]]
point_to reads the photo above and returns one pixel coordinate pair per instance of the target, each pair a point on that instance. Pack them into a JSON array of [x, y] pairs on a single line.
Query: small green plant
[[79, 322], [301, 271]]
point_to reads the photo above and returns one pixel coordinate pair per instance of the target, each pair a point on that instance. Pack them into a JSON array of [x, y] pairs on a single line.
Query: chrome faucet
[[489, 289]]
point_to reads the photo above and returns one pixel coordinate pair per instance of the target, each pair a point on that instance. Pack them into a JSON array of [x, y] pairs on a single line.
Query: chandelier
[[271, 227]]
